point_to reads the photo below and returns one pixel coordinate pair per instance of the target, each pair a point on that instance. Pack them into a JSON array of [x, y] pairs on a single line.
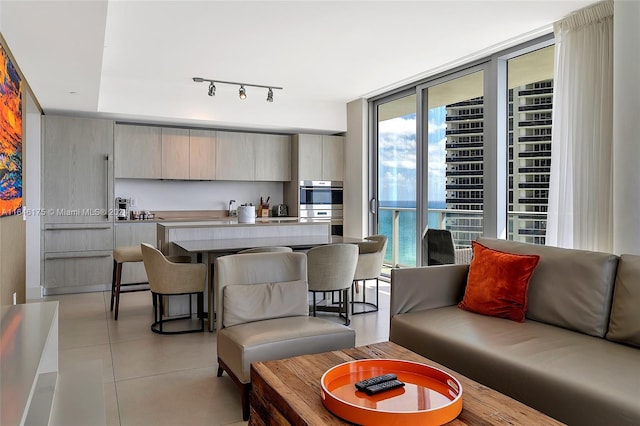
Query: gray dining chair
[[331, 269], [370, 259]]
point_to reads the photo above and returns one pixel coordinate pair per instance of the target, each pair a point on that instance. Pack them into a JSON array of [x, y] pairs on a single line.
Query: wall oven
[[321, 201]]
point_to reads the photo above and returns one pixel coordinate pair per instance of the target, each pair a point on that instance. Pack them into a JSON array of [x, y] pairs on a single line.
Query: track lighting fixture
[[242, 92]]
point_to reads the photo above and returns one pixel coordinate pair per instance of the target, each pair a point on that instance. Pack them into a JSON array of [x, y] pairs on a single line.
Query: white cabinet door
[[235, 156], [273, 158], [333, 158], [138, 152], [175, 153], [202, 154], [310, 157]]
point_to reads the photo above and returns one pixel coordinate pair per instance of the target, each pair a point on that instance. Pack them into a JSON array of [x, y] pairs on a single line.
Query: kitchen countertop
[[209, 216]]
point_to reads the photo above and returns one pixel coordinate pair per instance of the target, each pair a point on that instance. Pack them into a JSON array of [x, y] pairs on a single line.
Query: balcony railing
[[400, 228]]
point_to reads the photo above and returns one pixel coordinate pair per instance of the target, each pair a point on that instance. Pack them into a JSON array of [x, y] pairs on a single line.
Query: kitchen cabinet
[[235, 156], [133, 234], [138, 151], [77, 169], [77, 257], [77, 202], [333, 158], [175, 153], [202, 154], [320, 157], [273, 158]]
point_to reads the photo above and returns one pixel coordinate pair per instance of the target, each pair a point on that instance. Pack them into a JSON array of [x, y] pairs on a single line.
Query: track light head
[[270, 95], [242, 92], [212, 89]]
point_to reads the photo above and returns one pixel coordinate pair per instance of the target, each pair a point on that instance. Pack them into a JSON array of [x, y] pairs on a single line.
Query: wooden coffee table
[[287, 392]]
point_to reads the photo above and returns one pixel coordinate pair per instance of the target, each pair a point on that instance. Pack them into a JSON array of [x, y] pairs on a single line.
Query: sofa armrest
[[427, 287]]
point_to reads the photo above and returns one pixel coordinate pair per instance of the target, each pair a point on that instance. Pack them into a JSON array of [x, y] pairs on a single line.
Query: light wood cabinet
[[77, 257], [320, 157], [333, 158], [77, 169], [273, 158], [175, 153], [138, 151], [235, 156], [309, 157], [195, 154], [133, 234], [77, 196], [202, 154]]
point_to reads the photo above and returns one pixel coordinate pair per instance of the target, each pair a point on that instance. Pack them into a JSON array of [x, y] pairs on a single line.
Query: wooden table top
[[288, 391]]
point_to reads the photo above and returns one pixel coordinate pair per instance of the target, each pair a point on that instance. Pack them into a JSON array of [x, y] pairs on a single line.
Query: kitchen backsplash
[[195, 195]]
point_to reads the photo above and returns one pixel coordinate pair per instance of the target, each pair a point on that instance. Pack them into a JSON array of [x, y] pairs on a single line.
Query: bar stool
[[123, 255]]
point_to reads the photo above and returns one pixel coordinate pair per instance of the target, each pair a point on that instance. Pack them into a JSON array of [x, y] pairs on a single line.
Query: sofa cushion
[[257, 302], [569, 288], [279, 338], [498, 282], [578, 379], [625, 312]]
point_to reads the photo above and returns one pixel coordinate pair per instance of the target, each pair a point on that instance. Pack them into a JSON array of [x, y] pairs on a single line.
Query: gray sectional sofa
[[576, 357]]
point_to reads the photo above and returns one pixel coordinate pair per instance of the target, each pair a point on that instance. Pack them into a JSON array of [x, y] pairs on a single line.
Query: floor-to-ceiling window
[[530, 83], [396, 177], [467, 151], [454, 156]]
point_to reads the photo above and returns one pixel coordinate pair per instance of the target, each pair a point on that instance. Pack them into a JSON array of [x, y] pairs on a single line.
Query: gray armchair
[[263, 314]]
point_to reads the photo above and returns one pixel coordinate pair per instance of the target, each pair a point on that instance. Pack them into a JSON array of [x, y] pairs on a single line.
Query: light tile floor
[[152, 379]]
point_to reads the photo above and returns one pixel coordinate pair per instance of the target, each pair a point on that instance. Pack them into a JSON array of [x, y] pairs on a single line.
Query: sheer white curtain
[[580, 193]]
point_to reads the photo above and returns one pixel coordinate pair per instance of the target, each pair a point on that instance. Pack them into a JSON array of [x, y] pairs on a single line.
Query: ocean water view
[[406, 255]]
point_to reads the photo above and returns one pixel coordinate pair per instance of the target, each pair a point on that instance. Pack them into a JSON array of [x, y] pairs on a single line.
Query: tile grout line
[[113, 372]]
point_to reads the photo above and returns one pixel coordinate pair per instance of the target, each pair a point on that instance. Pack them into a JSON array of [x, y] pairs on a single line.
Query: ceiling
[[134, 60]]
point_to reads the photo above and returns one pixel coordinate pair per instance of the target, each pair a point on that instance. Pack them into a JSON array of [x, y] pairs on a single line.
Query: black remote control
[[362, 385], [384, 386]]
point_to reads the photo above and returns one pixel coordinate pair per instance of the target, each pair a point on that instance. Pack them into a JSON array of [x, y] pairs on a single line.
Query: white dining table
[[210, 249]]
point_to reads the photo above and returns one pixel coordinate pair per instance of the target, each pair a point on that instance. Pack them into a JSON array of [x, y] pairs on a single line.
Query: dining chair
[[438, 248], [263, 314], [331, 269], [167, 279], [370, 259]]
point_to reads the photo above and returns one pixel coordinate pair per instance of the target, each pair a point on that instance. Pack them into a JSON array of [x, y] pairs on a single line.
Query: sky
[[397, 157]]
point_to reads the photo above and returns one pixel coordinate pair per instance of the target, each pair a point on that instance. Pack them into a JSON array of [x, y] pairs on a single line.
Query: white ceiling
[[135, 60]]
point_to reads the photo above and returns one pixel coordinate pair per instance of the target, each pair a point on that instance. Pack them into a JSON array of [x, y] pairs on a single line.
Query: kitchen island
[[205, 241], [246, 235]]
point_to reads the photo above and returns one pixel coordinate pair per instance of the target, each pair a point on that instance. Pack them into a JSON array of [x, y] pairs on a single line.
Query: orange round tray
[[430, 396]]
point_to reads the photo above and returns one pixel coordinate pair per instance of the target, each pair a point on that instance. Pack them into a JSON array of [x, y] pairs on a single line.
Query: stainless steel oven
[[321, 200]]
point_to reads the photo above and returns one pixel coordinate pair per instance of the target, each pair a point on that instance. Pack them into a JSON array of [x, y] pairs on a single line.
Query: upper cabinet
[[175, 153], [273, 157], [235, 156], [138, 152], [320, 157], [202, 154], [147, 152]]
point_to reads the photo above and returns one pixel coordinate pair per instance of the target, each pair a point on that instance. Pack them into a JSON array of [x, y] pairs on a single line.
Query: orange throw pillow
[[498, 283]]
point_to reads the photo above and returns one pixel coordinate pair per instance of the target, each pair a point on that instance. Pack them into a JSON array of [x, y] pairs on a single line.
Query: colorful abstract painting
[[10, 137]]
